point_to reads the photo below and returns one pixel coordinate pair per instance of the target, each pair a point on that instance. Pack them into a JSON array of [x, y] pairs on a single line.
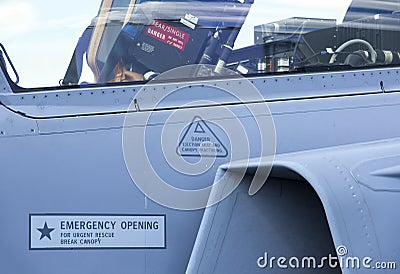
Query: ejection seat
[[148, 37]]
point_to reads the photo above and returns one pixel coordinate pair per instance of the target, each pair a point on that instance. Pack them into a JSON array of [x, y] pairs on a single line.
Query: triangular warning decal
[[199, 140], [199, 128]]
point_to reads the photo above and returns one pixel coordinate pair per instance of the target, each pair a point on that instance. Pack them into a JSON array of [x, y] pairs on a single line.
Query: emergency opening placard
[[96, 231]]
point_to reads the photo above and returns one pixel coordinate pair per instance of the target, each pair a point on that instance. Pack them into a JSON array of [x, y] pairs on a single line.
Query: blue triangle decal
[[200, 140], [199, 128]]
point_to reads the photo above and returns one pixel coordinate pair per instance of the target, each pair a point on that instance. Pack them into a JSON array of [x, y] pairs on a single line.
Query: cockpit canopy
[[145, 38], [136, 40]]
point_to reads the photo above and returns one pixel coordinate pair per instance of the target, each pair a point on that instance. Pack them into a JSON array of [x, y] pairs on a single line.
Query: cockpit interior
[[137, 40]]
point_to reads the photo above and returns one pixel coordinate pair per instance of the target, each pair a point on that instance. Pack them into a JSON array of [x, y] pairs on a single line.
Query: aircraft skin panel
[[78, 138], [357, 217], [81, 172], [80, 110], [185, 153], [5, 86], [88, 142], [16, 125], [272, 88]]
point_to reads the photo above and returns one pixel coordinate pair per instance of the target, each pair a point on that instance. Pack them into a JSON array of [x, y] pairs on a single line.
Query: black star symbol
[[45, 231]]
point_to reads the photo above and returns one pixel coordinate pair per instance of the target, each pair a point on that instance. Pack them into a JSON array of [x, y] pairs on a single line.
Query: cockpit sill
[[9, 86], [274, 86]]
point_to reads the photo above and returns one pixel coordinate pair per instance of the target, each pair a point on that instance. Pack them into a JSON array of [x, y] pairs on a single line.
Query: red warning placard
[[168, 34]]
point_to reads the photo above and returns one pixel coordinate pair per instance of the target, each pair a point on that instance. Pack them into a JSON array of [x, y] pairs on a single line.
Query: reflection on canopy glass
[[132, 41]]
